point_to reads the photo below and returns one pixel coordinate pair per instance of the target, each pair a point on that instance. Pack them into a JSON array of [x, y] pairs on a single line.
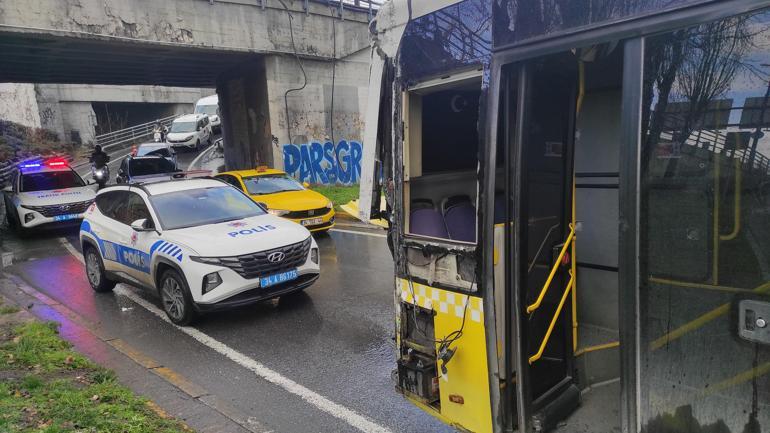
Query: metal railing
[[131, 134], [568, 244], [123, 137]]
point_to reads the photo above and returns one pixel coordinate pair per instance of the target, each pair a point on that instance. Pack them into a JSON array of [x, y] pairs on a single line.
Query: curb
[[40, 305]]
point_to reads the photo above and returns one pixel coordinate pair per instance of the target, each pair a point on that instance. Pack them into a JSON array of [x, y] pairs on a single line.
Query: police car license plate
[[274, 279], [312, 222], [67, 217]]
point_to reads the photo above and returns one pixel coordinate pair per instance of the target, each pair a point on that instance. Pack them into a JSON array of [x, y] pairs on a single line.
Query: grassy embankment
[[46, 387]]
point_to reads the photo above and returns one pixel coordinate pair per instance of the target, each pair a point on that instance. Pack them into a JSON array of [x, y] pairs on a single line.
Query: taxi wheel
[[176, 298], [97, 278]]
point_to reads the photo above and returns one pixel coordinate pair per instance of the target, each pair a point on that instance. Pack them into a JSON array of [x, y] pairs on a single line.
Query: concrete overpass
[[250, 50]]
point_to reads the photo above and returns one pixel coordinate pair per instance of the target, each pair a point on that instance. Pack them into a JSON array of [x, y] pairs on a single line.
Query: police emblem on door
[[276, 257]]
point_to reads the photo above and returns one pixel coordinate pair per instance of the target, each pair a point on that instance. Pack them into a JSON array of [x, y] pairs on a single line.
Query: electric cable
[[301, 67]]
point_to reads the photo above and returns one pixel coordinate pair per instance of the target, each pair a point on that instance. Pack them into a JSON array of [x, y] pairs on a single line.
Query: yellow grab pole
[[573, 264], [737, 204], [555, 268], [540, 351]]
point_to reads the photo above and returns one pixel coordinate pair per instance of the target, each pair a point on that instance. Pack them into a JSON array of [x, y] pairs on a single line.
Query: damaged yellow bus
[[578, 202]]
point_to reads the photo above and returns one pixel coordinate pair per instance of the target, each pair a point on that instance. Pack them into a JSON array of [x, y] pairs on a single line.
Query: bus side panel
[[464, 398]]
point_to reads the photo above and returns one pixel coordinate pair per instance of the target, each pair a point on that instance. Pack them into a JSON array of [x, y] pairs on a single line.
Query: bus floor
[[599, 411]]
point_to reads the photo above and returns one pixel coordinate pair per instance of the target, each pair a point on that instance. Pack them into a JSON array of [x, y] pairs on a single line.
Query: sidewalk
[[171, 395]]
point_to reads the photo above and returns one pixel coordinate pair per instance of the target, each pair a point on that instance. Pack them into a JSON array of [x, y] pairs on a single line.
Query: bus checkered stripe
[[443, 301]]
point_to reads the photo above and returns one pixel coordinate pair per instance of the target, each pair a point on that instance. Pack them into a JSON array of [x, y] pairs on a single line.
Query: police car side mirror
[[141, 225]]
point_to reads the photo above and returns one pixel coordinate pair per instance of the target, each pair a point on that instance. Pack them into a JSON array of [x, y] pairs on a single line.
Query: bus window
[[440, 177], [704, 269], [440, 155]]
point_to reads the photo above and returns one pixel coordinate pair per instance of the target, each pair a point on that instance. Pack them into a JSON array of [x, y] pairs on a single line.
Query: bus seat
[[422, 203], [455, 200], [427, 222], [460, 221]]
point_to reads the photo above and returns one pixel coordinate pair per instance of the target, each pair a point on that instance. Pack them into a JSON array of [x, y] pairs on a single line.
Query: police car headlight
[[206, 260], [211, 281], [278, 212]]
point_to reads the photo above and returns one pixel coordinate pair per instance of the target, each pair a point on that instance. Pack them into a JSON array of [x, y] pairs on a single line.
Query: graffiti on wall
[[324, 163]]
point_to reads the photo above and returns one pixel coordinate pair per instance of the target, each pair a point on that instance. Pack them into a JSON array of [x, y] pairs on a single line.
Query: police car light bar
[[35, 165], [56, 162]]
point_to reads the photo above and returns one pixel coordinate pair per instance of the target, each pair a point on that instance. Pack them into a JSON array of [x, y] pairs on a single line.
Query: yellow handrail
[[567, 291], [736, 204], [555, 268]]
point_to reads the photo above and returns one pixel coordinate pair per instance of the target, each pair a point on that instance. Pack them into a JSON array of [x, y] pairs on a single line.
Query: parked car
[[190, 131], [157, 149], [284, 196], [210, 107], [148, 168], [45, 193], [200, 244]]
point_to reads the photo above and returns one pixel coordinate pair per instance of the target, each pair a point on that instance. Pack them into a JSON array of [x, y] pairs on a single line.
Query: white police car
[[46, 193], [201, 243]]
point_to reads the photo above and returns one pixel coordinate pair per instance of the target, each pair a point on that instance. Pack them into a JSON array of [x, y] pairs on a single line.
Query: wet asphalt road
[[335, 339]]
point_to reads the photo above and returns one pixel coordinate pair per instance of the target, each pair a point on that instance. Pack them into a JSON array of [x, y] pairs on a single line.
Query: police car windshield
[[183, 126], [197, 207], [31, 182], [270, 184], [149, 166]]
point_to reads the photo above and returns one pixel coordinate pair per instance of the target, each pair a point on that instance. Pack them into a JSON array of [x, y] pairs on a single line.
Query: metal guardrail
[[132, 134], [109, 140]]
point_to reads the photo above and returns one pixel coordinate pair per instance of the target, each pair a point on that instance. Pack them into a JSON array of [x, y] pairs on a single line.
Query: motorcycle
[[101, 175], [157, 136]]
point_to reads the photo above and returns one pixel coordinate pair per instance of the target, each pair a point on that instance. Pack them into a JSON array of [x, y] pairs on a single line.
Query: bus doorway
[[564, 273]]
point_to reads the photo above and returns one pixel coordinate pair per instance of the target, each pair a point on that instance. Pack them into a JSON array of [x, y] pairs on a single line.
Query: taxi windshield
[[202, 206], [31, 182], [183, 126], [270, 184]]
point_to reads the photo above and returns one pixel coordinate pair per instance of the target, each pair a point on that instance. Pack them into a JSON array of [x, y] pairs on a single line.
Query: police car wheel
[[95, 272], [176, 298]]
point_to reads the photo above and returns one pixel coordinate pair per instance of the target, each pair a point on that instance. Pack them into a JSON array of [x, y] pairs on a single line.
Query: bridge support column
[[243, 105]]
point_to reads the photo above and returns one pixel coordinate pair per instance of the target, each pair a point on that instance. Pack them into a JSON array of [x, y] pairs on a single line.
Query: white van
[[210, 107]]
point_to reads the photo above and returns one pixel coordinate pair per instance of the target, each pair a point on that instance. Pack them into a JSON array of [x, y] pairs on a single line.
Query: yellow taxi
[[284, 196]]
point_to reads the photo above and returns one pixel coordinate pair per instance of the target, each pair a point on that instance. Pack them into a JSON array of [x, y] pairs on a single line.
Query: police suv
[[46, 193], [202, 244]]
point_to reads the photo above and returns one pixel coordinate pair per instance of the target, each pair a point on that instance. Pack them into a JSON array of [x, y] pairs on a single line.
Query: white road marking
[[320, 402], [72, 250], [356, 232]]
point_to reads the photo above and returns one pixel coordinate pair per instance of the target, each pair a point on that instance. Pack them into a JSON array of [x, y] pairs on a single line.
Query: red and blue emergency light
[[53, 163]]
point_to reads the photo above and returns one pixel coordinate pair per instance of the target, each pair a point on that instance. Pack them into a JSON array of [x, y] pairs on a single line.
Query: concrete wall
[[314, 119], [235, 25], [19, 104], [243, 107], [64, 108]]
